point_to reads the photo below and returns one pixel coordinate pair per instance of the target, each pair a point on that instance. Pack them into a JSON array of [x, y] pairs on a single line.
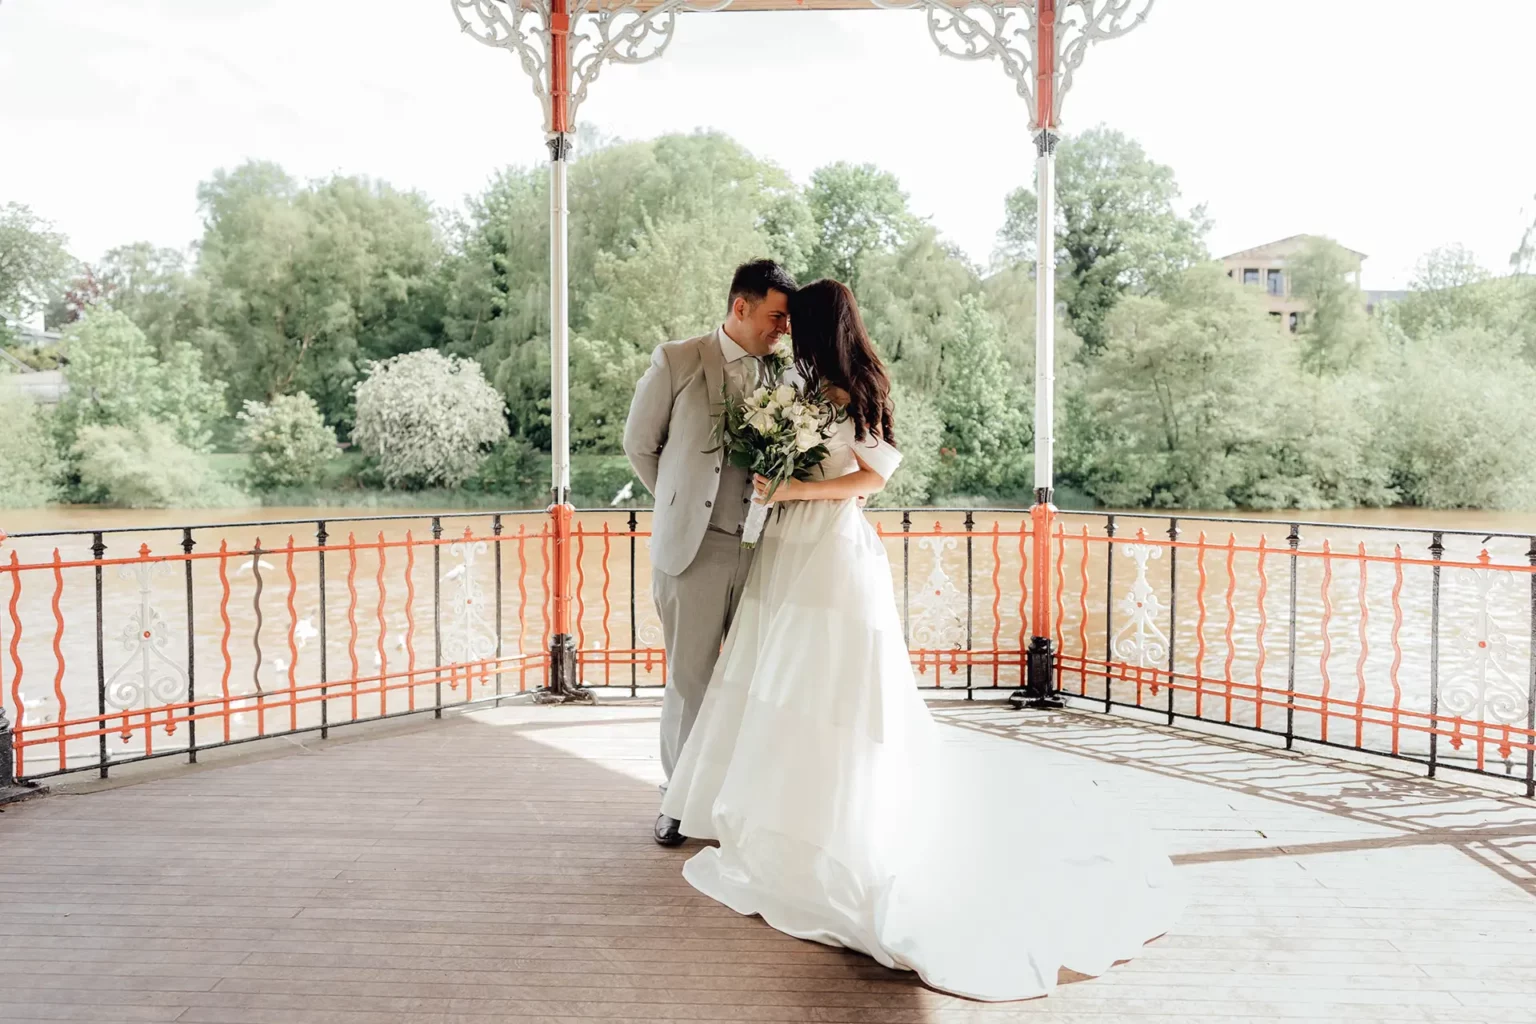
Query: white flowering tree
[[428, 419]]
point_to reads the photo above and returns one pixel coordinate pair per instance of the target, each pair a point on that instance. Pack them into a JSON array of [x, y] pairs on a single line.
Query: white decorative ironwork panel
[[148, 677], [1140, 640], [937, 605], [1486, 689]]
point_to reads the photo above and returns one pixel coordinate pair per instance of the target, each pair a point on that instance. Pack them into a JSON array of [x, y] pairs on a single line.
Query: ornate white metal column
[[1040, 44], [562, 47]]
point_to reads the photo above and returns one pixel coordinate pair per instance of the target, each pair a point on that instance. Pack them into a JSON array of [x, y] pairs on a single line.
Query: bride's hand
[[786, 491]]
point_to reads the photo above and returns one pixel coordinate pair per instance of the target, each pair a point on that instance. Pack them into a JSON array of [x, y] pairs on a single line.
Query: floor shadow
[[1494, 830]]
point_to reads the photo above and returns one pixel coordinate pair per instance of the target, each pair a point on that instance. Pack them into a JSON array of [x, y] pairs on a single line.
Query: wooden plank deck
[[498, 866]]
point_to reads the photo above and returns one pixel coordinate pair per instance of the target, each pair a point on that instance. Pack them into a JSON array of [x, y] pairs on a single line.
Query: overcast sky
[[1378, 122]]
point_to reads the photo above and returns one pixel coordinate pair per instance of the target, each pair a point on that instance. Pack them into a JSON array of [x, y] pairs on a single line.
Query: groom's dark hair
[[753, 281]]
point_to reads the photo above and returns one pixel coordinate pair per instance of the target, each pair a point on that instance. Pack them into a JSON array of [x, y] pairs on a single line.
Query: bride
[[841, 813]]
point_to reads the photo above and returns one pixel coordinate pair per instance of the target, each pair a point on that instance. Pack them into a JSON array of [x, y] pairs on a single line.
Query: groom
[[698, 566]]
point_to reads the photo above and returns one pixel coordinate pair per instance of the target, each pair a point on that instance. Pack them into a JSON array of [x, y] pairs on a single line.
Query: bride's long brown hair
[[832, 347]]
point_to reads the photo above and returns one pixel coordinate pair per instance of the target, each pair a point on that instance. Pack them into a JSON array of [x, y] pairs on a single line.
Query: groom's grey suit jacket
[[668, 438]]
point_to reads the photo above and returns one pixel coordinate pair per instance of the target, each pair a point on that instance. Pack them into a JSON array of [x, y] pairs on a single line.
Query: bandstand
[[563, 46]]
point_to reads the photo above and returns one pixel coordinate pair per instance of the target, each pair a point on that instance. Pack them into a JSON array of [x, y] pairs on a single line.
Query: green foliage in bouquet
[[779, 433]]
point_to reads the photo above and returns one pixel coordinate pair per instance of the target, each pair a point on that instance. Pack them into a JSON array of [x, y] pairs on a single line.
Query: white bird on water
[[625, 494]]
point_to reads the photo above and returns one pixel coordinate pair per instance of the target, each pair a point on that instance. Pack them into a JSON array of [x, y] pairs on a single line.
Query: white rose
[[762, 420], [760, 398], [805, 439], [784, 395]]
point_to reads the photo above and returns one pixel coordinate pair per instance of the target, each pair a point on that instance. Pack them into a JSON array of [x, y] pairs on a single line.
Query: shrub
[[116, 379], [29, 460], [288, 441], [144, 466], [515, 469], [598, 480], [427, 419]]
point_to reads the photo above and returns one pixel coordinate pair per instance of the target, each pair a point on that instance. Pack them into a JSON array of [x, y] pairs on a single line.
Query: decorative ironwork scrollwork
[[148, 676], [938, 606], [473, 637], [624, 33], [507, 26], [1141, 641], [1487, 691]]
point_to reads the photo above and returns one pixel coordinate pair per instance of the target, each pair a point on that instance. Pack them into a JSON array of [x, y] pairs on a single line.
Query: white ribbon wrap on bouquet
[[757, 516]]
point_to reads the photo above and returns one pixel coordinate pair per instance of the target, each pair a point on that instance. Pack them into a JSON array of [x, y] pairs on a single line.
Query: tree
[[287, 439], [33, 262], [907, 298], [1451, 291], [306, 284], [1335, 333], [1319, 447], [1174, 406], [1459, 430], [919, 436], [662, 224], [858, 211], [1523, 259], [29, 459], [427, 419], [986, 420], [117, 379], [155, 288], [1117, 229]]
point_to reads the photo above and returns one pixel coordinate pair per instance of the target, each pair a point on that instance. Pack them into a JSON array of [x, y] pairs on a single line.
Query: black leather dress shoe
[[667, 831]]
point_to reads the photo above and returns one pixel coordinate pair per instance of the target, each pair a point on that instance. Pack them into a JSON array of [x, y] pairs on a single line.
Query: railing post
[[1173, 609], [437, 617], [1040, 679], [906, 576], [1109, 612], [496, 532], [325, 705], [1436, 552], [10, 789], [99, 551], [970, 588], [634, 627], [1293, 541], [564, 681], [186, 546], [1530, 687]]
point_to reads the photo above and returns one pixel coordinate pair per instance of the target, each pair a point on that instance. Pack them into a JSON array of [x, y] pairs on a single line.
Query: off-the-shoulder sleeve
[[879, 455]]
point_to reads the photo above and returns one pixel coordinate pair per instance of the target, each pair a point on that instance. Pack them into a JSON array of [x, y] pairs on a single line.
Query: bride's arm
[[854, 485]]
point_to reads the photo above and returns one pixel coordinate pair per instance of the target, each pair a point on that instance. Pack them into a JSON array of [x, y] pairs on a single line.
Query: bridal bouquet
[[778, 431]]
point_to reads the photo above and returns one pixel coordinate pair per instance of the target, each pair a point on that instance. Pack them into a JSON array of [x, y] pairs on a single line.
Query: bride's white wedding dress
[[843, 815]]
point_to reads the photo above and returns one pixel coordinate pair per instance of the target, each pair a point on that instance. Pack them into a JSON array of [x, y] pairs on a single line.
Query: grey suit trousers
[[695, 607]]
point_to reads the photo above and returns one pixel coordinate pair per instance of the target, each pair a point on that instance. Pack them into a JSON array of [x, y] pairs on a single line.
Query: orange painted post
[[564, 680]]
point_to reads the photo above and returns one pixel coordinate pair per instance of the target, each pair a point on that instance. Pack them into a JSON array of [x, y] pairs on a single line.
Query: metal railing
[[127, 644]]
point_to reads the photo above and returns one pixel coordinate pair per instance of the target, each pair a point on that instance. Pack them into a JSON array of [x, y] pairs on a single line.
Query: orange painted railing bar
[[1397, 647], [1199, 621], [293, 633], [410, 617], [17, 668], [380, 652]]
